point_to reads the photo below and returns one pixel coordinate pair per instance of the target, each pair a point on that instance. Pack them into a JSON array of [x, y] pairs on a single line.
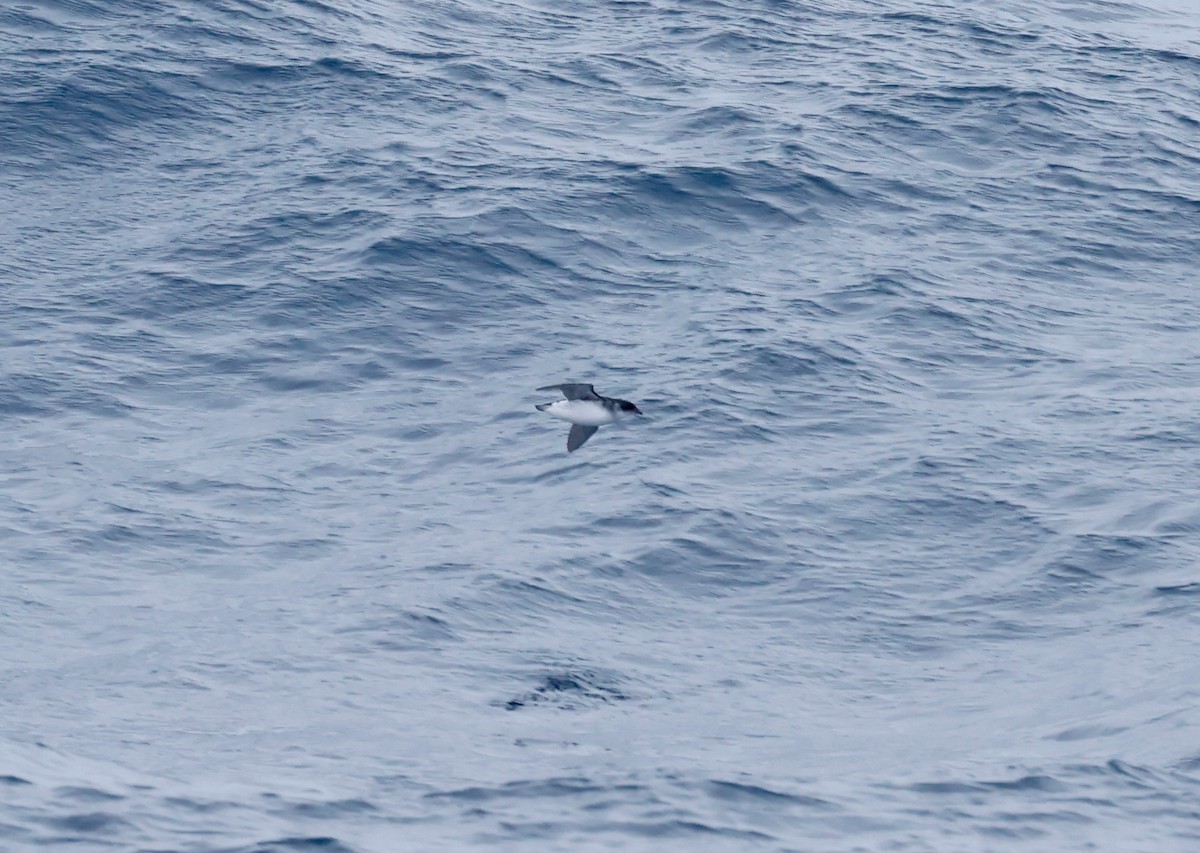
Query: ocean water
[[904, 555]]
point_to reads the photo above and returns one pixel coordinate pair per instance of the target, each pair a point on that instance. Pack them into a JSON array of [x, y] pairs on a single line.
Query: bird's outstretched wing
[[578, 435], [574, 391]]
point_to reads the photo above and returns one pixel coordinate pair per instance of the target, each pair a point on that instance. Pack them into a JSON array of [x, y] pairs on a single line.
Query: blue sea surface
[[904, 556]]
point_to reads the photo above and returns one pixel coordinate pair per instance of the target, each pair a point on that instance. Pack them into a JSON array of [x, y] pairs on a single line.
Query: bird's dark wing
[[574, 391], [578, 435]]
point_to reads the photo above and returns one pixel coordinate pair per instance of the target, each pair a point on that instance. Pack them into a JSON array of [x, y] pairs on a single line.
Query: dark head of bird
[[627, 406]]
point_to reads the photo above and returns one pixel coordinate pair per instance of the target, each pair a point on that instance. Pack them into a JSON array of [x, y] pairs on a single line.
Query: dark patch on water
[[534, 789], [315, 844], [571, 690], [737, 792], [87, 795], [1185, 589], [332, 810], [92, 823]]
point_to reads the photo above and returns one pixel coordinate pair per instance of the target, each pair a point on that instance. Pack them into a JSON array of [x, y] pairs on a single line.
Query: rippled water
[[903, 556]]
